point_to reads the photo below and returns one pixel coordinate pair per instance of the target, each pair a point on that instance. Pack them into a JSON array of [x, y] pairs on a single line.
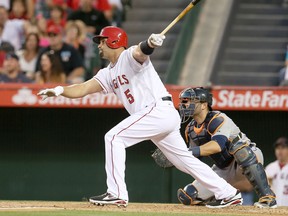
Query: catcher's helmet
[[116, 37], [198, 94]]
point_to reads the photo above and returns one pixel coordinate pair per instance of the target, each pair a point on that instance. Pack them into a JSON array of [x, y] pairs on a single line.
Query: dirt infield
[[138, 207]]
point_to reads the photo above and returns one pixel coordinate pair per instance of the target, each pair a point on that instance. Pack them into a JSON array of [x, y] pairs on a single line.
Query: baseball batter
[[236, 158], [277, 171], [132, 77]]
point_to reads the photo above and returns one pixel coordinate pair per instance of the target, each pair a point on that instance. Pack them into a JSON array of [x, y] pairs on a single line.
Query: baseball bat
[[180, 16]]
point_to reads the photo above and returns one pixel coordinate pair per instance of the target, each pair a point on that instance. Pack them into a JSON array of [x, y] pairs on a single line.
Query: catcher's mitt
[[161, 159]]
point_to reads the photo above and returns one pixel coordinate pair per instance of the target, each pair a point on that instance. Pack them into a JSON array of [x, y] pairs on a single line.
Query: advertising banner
[[224, 98]]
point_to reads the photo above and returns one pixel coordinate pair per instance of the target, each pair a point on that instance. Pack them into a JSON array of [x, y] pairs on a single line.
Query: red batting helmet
[[116, 37]]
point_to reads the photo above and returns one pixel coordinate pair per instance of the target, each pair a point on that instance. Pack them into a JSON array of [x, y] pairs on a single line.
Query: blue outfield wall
[[58, 154]]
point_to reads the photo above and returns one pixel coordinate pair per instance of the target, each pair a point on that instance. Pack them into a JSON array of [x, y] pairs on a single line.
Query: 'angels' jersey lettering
[[137, 87]]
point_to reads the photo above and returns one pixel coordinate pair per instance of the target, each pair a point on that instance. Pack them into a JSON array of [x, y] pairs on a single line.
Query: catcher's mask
[[188, 97], [116, 37]]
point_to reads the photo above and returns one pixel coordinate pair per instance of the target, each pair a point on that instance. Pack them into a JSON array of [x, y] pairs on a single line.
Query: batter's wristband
[[145, 48], [58, 90], [195, 151]]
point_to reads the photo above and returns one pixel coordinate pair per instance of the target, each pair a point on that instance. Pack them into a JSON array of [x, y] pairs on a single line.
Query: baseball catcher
[[236, 158]]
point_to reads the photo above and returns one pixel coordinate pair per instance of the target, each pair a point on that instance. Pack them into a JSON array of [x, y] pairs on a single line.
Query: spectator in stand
[[127, 5], [12, 72], [93, 19], [18, 10], [117, 11], [283, 73], [12, 30], [42, 8], [29, 6], [92, 60], [105, 7], [70, 58], [74, 36], [57, 17], [277, 171], [5, 4], [29, 54], [5, 47], [51, 70], [42, 31]]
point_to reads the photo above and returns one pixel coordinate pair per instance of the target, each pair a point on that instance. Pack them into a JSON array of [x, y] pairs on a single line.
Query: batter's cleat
[[266, 202], [233, 201], [108, 199]]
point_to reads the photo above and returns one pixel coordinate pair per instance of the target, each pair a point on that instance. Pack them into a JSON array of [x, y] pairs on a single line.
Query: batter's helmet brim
[[96, 39]]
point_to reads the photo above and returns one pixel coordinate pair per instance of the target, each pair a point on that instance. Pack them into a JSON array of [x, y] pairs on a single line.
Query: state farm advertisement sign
[[250, 99], [225, 98], [25, 95]]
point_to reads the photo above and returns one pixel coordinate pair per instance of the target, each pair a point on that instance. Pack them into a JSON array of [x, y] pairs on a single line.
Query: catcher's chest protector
[[200, 136]]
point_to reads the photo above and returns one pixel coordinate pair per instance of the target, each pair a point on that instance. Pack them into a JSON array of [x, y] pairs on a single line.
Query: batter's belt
[[167, 98]]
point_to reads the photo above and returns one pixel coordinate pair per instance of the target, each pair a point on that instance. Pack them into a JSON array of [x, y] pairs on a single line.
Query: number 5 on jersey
[[129, 96]]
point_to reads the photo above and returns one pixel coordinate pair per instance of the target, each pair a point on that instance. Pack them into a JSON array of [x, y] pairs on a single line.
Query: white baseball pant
[[160, 123]]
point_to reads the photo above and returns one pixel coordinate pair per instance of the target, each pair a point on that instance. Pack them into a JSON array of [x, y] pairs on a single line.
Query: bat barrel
[[194, 2]]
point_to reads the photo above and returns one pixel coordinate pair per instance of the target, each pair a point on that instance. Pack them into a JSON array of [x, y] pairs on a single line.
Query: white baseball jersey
[[140, 89], [137, 87], [279, 184]]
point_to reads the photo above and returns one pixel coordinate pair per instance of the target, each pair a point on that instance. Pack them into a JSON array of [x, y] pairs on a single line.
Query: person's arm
[[76, 75], [209, 148], [220, 131], [73, 91], [270, 172], [270, 181], [146, 48]]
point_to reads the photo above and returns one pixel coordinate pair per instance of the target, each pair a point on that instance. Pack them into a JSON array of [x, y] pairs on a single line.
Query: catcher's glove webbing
[[161, 159]]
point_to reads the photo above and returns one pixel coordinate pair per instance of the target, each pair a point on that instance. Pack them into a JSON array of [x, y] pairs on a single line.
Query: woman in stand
[[51, 70], [29, 54]]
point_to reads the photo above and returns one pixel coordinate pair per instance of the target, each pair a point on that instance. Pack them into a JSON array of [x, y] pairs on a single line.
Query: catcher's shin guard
[[257, 177], [252, 169]]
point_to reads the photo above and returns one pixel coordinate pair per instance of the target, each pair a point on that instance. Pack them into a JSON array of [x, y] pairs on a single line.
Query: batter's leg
[[175, 149], [152, 122]]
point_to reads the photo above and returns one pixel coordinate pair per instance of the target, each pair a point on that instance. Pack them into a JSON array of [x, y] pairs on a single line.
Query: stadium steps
[[150, 16], [254, 46]]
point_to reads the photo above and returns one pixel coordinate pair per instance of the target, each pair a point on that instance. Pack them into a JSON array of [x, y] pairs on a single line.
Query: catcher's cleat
[[108, 199], [233, 201], [266, 202]]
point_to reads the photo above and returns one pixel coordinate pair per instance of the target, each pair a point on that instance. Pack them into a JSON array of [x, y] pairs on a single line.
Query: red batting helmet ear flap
[[116, 37]]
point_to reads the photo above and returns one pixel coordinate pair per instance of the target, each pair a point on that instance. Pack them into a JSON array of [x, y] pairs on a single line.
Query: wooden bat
[[180, 16]]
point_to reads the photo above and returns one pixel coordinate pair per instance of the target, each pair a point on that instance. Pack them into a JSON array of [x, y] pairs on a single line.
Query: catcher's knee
[[243, 154], [189, 195]]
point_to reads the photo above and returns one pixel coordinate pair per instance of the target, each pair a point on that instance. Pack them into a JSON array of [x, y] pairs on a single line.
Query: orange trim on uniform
[[184, 192], [218, 126], [242, 146], [198, 130]]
